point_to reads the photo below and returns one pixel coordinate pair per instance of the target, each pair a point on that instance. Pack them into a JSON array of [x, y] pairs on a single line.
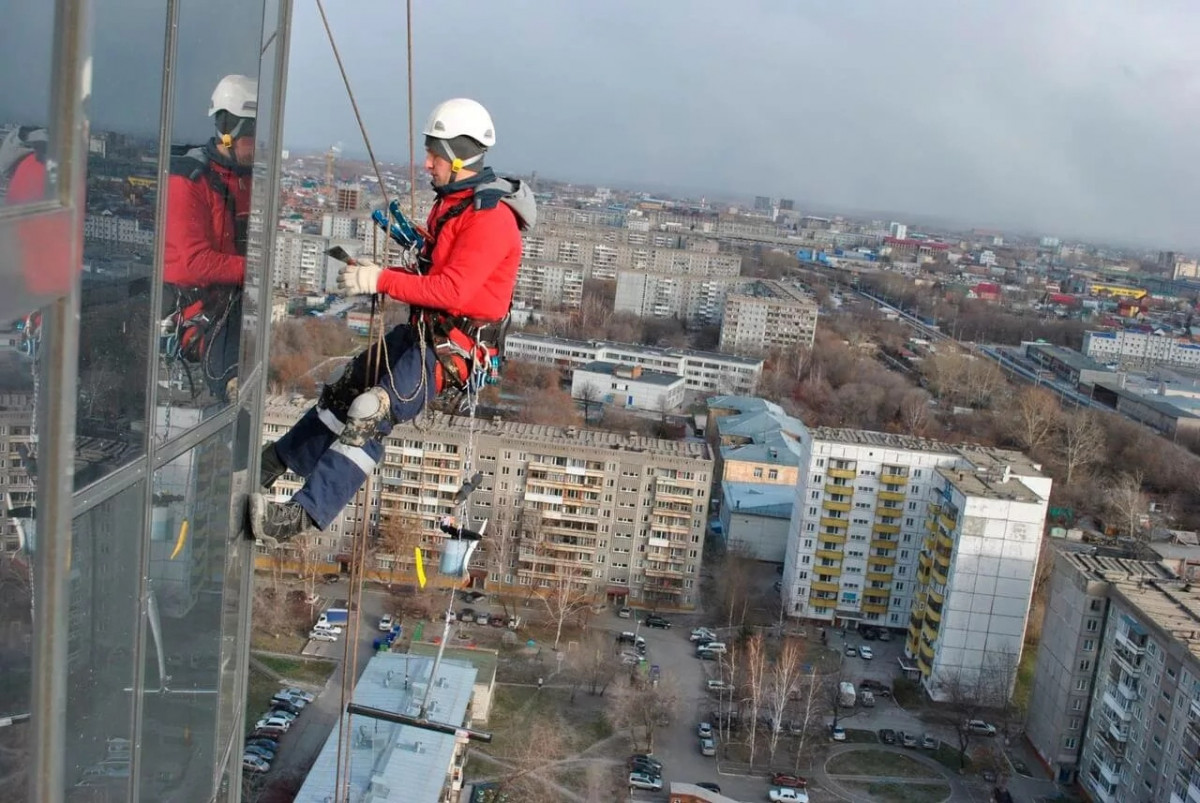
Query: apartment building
[[699, 300], [766, 315], [389, 761], [907, 532], [1065, 673], [618, 515], [703, 371], [548, 286], [602, 252], [627, 386], [1140, 349], [16, 439], [754, 440], [301, 264], [1142, 740]]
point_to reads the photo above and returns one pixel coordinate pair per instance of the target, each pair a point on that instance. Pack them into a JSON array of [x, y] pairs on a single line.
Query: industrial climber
[[459, 297]]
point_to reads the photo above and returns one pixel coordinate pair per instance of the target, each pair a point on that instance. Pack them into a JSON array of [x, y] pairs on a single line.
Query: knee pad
[[367, 415], [339, 394]]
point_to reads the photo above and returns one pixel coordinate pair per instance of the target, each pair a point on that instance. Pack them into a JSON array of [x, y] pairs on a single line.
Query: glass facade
[[133, 243]]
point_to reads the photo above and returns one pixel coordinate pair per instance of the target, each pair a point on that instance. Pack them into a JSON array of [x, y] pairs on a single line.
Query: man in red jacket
[[459, 298], [208, 208]]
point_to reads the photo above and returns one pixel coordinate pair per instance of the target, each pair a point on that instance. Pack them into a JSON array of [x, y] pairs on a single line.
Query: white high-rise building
[[898, 230], [768, 314], [904, 532]]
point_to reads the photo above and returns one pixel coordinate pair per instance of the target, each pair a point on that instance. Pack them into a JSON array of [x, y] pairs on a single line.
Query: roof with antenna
[[390, 762]]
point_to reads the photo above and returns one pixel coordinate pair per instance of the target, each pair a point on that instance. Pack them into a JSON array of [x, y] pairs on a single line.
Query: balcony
[[931, 524], [933, 509], [1128, 690], [843, 473], [669, 570], [885, 529], [1118, 708], [1109, 773], [941, 560], [883, 543], [841, 507], [891, 496], [924, 560], [1131, 662], [1117, 731], [875, 607], [933, 616], [829, 554], [879, 577], [944, 542], [926, 651], [829, 521], [834, 488], [937, 596], [923, 666], [928, 631], [826, 587], [879, 563], [946, 522], [938, 575], [893, 479]]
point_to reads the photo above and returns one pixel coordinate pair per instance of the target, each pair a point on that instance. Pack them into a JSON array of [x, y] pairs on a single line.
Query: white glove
[[361, 278]]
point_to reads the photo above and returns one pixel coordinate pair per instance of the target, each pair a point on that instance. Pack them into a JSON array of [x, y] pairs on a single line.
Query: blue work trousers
[[334, 469]]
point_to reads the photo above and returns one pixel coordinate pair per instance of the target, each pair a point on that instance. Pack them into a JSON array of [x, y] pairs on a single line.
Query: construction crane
[[331, 156]]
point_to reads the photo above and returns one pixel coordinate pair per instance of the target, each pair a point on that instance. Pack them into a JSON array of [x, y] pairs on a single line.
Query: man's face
[[438, 168], [243, 151]]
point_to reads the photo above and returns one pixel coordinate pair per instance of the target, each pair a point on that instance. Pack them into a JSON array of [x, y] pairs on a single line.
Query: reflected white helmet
[[461, 117], [237, 95]]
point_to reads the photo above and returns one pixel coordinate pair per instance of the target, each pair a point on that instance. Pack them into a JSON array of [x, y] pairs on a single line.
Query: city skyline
[[1014, 116]]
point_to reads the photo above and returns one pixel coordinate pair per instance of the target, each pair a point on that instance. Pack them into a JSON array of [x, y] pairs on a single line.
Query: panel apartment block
[[704, 371], [602, 252], [695, 299], [768, 315], [907, 532], [620, 515], [1066, 669], [548, 286]]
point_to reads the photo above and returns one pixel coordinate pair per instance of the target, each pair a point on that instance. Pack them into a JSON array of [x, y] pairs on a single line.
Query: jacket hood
[[490, 190]]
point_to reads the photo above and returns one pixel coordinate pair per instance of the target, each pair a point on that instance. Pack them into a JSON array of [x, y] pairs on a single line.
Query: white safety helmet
[[461, 117], [237, 95]]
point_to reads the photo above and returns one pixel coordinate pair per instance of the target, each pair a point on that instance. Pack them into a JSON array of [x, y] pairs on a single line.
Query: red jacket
[[201, 246], [474, 263], [44, 242]]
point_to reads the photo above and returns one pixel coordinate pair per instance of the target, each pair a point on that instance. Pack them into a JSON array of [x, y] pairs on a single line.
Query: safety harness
[[200, 314]]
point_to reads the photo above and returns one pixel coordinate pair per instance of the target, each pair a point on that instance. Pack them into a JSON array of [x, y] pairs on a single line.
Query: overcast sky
[[1072, 116]]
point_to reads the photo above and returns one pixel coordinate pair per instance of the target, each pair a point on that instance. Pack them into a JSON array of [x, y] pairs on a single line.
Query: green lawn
[[290, 644], [1024, 683], [861, 736], [947, 754], [299, 670], [900, 792], [877, 763], [260, 688]]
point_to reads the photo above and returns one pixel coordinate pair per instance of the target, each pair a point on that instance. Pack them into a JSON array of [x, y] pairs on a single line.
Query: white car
[[385, 622], [642, 780], [255, 764], [704, 730], [719, 686], [865, 653], [280, 723], [328, 628], [783, 793], [323, 635], [702, 633], [981, 727], [292, 691]]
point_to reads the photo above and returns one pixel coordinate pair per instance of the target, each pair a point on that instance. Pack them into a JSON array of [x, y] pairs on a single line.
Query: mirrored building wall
[[132, 362]]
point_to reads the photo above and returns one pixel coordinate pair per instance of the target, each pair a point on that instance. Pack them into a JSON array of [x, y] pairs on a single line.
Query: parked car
[[647, 760], [838, 733], [265, 753], [929, 742], [865, 653], [704, 730], [788, 795], [719, 686], [885, 635], [307, 696], [466, 615], [870, 634], [481, 618], [654, 620], [282, 723], [385, 622], [712, 787], [851, 651], [866, 699], [707, 655], [906, 739], [255, 764], [887, 736], [640, 780], [285, 708], [708, 746], [263, 741], [322, 635], [788, 780], [296, 702], [625, 612], [473, 596], [980, 727], [629, 638], [702, 633]]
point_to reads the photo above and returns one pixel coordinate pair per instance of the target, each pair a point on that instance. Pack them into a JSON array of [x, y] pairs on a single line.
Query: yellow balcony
[[891, 496], [925, 668], [913, 638], [937, 575], [933, 616], [932, 525], [879, 577], [893, 479], [841, 507], [836, 571], [826, 521], [944, 541], [924, 559], [941, 560], [829, 554], [933, 509], [946, 522], [928, 632], [833, 488], [832, 538], [936, 596], [922, 576], [882, 543], [890, 529], [882, 560], [926, 650], [843, 473], [820, 586], [874, 607]]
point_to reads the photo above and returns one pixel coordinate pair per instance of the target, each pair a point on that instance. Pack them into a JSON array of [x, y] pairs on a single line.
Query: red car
[[791, 781]]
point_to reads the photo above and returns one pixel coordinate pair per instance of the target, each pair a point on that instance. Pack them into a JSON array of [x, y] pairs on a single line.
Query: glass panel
[[120, 230], [103, 614], [258, 278], [209, 199], [189, 539], [26, 54]]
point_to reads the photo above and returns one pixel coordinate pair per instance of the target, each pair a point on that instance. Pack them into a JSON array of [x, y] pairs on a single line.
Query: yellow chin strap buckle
[[456, 165], [227, 140]]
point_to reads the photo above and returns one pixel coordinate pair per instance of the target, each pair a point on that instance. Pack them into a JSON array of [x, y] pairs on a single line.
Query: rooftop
[[779, 291], [1113, 569], [564, 342], [759, 499], [866, 437], [990, 484], [1069, 357], [395, 762], [625, 372], [483, 660], [1171, 606], [760, 432]]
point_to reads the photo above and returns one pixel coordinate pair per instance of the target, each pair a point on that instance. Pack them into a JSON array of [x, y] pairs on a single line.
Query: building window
[[758, 473], [1077, 704], [1081, 684], [1095, 604], [1089, 645], [1085, 665], [1070, 743], [1093, 624]]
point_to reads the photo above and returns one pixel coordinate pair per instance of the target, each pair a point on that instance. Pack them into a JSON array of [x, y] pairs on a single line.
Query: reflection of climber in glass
[[457, 550], [208, 209]]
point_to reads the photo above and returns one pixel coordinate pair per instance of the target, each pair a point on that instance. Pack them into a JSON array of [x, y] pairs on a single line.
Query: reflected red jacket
[[208, 206], [474, 260], [44, 242]]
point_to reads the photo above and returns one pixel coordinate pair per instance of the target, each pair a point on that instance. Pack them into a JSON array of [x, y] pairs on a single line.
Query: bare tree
[[1126, 503], [307, 550], [734, 581], [756, 681], [565, 597], [999, 680], [1080, 442], [643, 707], [500, 555], [542, 742], [1032, 418], [782, 682], [964, 696], [589, 396], [914, 411], [595, 663], [807, 710], [399, 536]]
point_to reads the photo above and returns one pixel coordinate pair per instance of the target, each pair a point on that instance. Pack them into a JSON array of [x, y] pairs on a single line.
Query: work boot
[[277, 521], [270, 467]]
